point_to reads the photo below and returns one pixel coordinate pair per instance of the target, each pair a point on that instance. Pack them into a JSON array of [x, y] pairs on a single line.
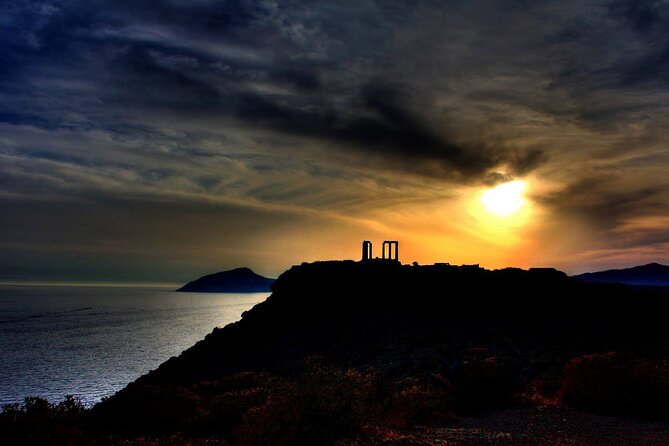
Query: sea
[[91, 341]]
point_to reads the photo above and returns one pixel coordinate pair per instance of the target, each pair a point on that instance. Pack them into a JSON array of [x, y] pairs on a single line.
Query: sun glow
[[504, 200]]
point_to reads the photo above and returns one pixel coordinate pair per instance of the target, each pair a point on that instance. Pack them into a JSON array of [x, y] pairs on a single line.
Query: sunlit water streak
[[91, 341]]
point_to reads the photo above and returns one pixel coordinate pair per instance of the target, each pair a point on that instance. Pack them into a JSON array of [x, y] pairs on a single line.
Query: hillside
[[239, 280], [652, 274], [378, 343]]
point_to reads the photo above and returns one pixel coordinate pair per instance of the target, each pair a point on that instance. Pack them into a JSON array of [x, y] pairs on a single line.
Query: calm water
[[92, 341]]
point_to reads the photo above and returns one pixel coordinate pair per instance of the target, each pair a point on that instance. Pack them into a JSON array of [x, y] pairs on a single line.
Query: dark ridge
[[365, 313], [380, 342], [239, 280], [652, 274]]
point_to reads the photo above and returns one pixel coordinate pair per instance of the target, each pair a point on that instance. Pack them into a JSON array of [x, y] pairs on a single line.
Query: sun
[[504, 200]]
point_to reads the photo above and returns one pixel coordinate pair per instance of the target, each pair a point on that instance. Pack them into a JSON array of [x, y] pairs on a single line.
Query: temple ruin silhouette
[[366, 250], [390, 251]]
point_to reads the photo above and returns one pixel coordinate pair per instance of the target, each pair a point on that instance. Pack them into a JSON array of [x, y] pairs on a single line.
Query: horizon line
[[151, 284], [63, 283]]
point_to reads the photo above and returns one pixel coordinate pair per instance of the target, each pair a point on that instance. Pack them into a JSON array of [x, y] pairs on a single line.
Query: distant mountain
[[239, 280], [652, 274]]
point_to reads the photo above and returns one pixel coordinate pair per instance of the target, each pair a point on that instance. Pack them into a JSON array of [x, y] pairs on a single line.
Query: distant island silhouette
[[652, 274], [239, 280]]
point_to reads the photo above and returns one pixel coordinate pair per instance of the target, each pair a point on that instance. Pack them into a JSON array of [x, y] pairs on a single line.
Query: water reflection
[[92, 341]]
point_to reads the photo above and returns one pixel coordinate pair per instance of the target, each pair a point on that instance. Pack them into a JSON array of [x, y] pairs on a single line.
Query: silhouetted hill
[[343, 345], [360, 312], [240, 280], [652, 274]]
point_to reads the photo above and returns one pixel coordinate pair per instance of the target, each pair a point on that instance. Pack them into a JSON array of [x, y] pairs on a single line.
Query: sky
[[158, 141]]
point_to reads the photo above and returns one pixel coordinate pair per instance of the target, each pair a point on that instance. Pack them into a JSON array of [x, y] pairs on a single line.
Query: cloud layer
[[309, 112]]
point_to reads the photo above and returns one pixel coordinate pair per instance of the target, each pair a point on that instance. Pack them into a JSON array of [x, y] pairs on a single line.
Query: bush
[[324, 404], [614, 383], [416, 400], [39, 422], [151, 409], [485, 382], [541, 391]]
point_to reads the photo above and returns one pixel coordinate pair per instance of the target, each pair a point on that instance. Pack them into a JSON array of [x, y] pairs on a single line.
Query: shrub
[[39, 422], [422, 400], [485, 382], [324, 404], [614, 383], [71, 406], [542, 391], [151, 409], [227, 410]]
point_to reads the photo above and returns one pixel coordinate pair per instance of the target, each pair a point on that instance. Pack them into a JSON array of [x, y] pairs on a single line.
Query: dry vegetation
[[324, 405]]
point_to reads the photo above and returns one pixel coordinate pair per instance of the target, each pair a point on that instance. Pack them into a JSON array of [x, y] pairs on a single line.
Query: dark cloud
[[232, 61], [381, 124], [606, 206], [642, 15], [652, 67], [136, 77]]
